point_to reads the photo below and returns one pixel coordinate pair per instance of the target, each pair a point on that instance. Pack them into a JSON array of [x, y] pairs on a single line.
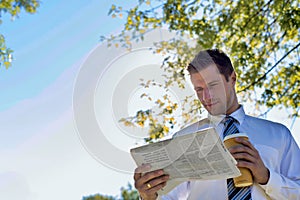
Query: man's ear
[[233, 77]]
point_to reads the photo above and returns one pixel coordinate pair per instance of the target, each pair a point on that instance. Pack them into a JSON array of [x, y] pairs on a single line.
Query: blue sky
[[41, 155], [49, 42]]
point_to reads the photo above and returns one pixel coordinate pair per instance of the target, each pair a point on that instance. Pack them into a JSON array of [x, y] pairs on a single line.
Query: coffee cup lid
[[235, 135]]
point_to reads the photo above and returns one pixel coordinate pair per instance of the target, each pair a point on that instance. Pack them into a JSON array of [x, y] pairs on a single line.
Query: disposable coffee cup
[[245, 179]]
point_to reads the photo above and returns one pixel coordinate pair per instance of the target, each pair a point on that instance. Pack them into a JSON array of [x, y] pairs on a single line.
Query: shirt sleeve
[[285, 182]]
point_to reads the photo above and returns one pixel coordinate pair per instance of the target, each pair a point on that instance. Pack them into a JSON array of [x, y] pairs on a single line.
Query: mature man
[[271, 154]]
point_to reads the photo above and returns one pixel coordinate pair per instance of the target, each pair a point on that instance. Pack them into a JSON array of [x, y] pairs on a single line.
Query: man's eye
[[199, 89]]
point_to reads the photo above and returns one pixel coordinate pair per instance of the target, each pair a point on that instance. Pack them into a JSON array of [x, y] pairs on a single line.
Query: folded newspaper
[[197, 156]]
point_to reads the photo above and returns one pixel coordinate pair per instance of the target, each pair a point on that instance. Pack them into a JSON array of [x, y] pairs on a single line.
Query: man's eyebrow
[[198, 87], [210, 83], [213, 82]]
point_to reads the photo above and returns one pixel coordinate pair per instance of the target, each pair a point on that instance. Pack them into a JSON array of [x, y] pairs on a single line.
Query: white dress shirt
[[277, 148]]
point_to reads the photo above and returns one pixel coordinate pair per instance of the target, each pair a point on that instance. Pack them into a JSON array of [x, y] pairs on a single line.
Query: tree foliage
[[13, 7], [126, 194], [261, 37]]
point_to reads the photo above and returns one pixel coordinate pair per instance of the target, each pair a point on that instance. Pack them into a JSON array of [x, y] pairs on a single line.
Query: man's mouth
[[210, 104]]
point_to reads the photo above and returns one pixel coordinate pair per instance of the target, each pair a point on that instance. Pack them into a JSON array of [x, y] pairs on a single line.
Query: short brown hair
[[211, 56]]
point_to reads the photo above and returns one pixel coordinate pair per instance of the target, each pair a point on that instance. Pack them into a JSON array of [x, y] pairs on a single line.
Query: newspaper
[[196, 156]]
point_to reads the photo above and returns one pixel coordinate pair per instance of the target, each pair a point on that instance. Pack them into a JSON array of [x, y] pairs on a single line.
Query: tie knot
[[229, 119], [229, 126]]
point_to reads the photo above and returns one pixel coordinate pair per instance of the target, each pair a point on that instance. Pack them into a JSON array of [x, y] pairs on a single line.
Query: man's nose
[[206, 95]]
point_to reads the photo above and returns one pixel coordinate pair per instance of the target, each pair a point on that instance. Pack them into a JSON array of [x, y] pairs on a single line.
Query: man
[[271, 154]]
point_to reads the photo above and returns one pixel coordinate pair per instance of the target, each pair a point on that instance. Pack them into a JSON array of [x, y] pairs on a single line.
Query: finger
[[137, 176], [150, 188], [245, 142], [157, 181], [152, 175], [141, 182], [139, 170], [253, 150], [154, 189], [244, 157], [241, 149], [246, 164]]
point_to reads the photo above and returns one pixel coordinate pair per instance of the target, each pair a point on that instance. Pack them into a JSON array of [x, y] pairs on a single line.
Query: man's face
[[215, 93]]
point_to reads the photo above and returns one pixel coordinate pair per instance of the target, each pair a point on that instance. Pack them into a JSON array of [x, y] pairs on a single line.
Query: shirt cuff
[[271, 188]]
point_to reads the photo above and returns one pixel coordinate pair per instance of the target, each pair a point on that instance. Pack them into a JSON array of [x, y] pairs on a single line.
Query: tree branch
[[252, 17], [265, 75], [255, 15]]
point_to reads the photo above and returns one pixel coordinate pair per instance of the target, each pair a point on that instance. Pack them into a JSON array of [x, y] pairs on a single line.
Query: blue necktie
[[234, 193]]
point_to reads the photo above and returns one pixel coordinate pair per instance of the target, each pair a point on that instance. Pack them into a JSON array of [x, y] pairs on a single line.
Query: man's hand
[[247, 156], [149, 183]]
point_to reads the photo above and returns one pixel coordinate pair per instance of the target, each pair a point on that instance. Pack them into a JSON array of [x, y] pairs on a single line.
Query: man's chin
[[215, 111]]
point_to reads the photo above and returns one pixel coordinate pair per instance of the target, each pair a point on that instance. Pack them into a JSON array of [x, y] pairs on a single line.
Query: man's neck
[[233, 109]]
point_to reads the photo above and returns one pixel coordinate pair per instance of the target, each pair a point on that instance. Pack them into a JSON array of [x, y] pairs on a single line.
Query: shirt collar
[[239, 115]]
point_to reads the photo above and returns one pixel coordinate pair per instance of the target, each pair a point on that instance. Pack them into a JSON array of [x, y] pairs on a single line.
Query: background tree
[[126, 194], [261, 37], [13, 7]]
